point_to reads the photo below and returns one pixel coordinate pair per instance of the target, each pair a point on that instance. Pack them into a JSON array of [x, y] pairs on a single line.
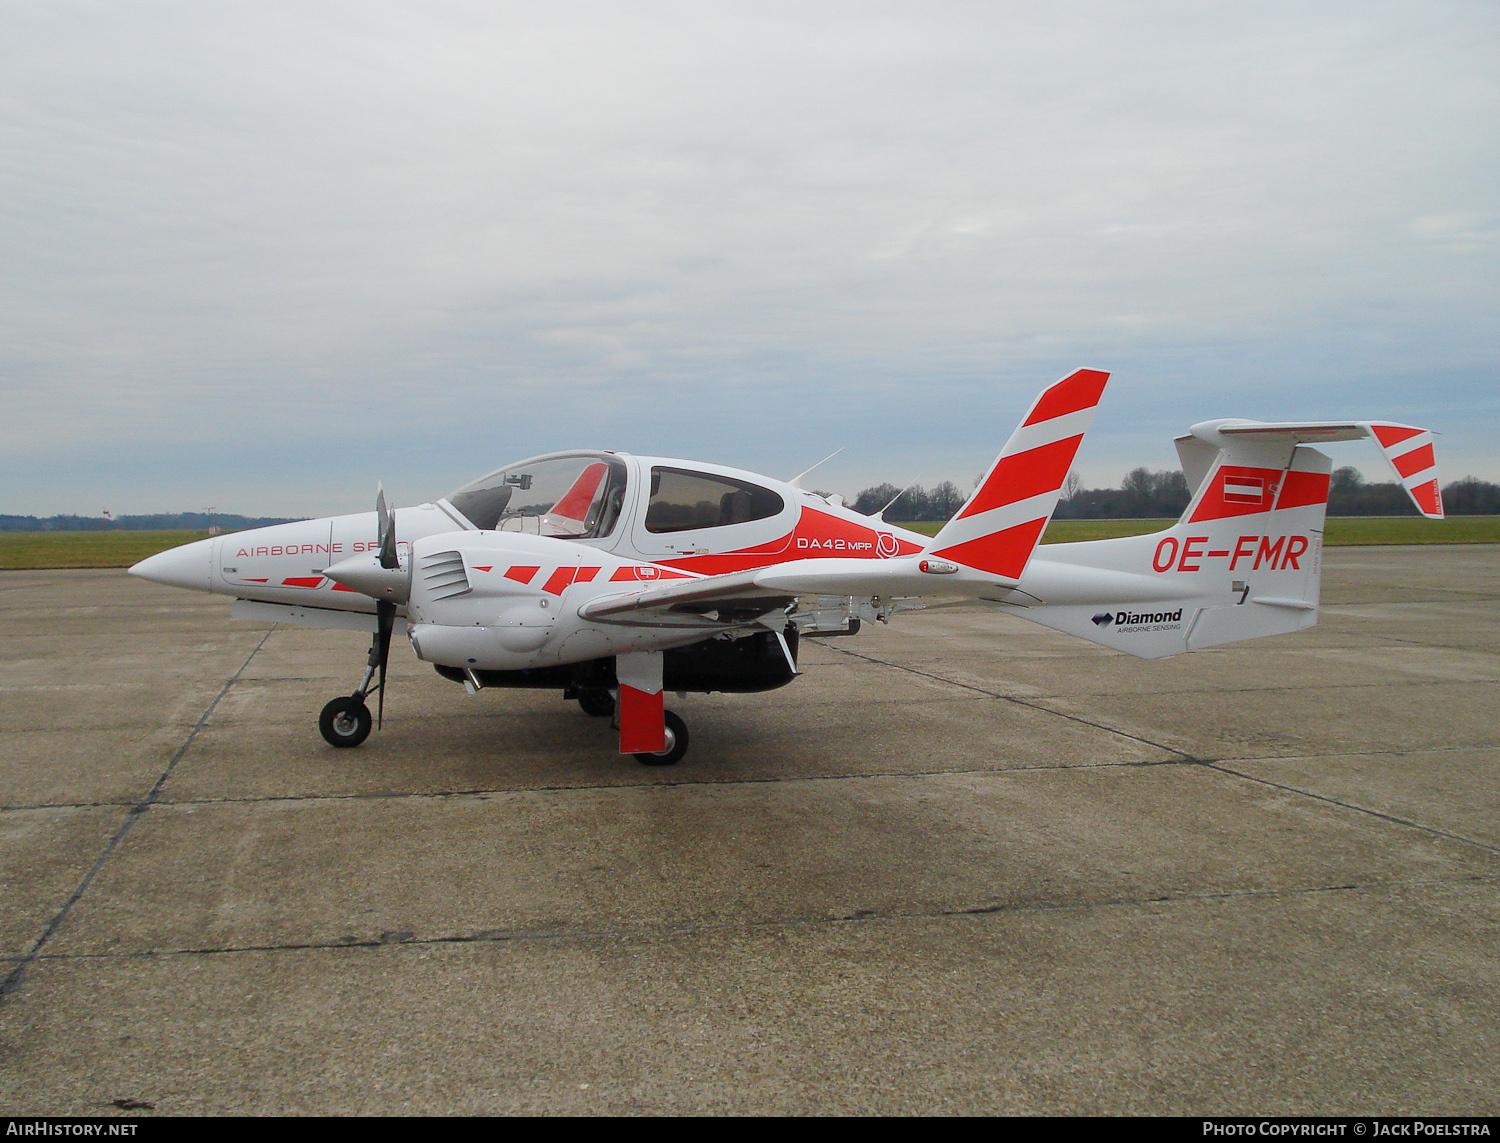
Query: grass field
[[86, 549], [29, 550]]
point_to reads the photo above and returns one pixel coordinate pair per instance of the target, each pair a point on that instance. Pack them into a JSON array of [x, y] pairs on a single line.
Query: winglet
[[997, 530], [1408, 450]]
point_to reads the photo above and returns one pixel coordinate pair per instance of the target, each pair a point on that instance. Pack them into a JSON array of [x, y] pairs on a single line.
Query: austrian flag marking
[[1244, 489]]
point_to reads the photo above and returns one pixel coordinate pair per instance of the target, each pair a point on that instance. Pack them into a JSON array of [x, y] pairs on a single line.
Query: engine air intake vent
[[444, 576]]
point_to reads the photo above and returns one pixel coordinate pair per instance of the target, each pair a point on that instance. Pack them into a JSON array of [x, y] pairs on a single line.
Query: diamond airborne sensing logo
[[1104, 618]]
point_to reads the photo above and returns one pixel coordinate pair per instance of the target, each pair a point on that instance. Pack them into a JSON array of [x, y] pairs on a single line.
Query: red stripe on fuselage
[[818, 535], [1299, 489], [646, 574]]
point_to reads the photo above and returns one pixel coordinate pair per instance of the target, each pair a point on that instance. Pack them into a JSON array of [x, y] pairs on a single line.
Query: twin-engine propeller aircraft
[[613, 578]]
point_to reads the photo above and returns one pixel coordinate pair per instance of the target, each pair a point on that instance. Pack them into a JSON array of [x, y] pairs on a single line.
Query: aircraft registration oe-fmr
[[614, 578]]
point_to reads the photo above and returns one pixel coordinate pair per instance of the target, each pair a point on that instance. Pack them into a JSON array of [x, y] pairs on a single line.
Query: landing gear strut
[[346, 720], [677, 744]]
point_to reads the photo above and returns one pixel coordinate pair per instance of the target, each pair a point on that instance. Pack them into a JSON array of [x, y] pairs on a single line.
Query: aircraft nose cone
[[188, 566]]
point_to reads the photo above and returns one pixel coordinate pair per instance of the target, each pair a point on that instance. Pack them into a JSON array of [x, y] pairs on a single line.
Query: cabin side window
[[683, 501]]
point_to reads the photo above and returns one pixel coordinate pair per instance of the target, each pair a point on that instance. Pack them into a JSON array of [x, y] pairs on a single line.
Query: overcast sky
[[258, 256]]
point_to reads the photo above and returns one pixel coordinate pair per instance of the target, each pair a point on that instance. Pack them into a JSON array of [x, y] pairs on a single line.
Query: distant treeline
[[161, 522], [914, 504], [1145, 494]]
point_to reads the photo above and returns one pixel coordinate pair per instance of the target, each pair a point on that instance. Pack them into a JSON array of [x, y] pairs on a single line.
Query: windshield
[[575, 497]]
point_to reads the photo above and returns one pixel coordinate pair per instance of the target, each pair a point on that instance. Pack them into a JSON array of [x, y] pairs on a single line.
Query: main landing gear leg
[[656, 736]]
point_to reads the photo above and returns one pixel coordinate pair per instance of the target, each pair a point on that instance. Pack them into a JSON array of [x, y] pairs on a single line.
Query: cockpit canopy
[[582, 495], [573, 496]]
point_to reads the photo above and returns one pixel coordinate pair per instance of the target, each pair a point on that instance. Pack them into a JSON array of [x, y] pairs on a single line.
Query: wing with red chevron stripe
[[997, 530]]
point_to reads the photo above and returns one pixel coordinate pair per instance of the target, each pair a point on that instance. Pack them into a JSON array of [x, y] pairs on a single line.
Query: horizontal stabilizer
[[1406, 449]]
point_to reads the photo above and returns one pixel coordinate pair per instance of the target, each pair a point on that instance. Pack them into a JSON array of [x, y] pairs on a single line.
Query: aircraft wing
[[690, 595], [763, 589]]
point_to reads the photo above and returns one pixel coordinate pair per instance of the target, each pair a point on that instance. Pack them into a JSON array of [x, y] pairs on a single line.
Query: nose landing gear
[[345, 721]]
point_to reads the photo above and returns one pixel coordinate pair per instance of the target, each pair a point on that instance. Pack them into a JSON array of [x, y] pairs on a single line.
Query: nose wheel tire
[[677, 744], [600, 704], [345, 722]]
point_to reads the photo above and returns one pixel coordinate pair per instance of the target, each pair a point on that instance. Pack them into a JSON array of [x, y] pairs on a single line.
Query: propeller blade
[[386, 533], [385, 618]]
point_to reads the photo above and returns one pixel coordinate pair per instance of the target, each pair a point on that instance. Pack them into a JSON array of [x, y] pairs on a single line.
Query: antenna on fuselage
[[894, 498], [795, 481]]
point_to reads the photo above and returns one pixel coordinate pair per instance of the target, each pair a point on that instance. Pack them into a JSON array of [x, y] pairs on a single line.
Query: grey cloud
[[368, 227]]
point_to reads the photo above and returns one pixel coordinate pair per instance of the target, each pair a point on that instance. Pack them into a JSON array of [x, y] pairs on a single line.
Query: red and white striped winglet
[[1408, 450], [997, 530]]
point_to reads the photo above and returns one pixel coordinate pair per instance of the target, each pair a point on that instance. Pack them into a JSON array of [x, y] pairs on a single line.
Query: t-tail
[[1244, 560]]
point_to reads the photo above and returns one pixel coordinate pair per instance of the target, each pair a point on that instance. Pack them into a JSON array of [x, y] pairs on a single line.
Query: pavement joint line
[[707, 783], [1223, 769], [14, 978], [1454, 596], [1186, 757], [1425, 643], [1209, 764], [594, 787], [407, 938]]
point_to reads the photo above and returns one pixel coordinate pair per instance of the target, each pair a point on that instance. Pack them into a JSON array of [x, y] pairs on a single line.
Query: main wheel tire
[[345, 722], [600, 704], [677, 744]]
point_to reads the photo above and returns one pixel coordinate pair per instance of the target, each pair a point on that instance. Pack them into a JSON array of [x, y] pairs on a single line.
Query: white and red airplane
[[613, 578]]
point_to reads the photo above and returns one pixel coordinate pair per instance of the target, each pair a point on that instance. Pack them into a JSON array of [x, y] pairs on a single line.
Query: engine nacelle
[[507, 601], [487, 599], [746, 665]]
